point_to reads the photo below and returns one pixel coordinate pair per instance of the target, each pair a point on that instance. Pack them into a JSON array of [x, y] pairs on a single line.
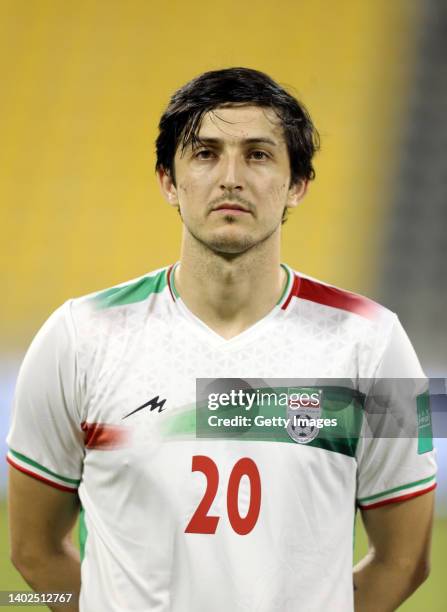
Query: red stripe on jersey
[[41, 478], [385, 502], [313, 291], [104, 436], [293, 291]]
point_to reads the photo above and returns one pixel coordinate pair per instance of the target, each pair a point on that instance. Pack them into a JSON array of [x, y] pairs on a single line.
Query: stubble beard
[[230, 246]]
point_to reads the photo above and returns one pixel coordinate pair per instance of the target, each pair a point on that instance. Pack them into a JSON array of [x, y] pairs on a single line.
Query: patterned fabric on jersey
[[105, 406]]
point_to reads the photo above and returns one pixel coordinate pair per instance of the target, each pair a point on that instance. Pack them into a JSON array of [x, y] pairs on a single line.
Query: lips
[[228, 206]]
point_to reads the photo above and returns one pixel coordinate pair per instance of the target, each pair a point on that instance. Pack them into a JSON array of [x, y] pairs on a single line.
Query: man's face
[[233, 186]]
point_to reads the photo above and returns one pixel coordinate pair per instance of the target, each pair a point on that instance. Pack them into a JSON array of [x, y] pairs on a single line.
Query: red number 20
[[201, 522]]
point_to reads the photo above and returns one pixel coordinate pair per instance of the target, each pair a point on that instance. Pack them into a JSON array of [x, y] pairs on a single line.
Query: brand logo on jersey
[[303, 409], [153, 403]]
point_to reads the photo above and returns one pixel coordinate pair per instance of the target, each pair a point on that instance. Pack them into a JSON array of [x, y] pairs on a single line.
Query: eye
[[203, 154], [259, 155]]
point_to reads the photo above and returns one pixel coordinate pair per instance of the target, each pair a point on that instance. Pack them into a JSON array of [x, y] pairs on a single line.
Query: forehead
[[239, 122]]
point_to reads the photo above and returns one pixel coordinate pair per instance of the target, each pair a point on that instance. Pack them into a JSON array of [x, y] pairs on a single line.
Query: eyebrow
[[216, 141]]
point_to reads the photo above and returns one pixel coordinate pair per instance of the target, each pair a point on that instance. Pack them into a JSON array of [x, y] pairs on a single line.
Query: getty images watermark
[[302, 415], [325, 412]]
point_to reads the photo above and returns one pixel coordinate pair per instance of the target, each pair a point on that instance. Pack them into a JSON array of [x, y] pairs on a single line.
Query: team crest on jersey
[[303, 410]]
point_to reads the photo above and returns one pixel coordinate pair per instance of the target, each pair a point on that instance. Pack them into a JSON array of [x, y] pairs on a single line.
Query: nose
[[231, 174]]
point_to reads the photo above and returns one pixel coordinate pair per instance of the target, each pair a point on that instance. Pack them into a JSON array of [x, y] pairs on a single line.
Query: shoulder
[[339, 320], [119, 300], [332, 299], [129, 292], [119, 309]]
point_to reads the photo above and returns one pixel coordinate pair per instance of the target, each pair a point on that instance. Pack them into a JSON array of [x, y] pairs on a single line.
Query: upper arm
[[396, 460], [45, 440], [41, 517], [400, 533]]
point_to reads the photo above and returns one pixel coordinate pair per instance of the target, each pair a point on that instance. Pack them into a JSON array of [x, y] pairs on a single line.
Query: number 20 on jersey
[[201, 521]]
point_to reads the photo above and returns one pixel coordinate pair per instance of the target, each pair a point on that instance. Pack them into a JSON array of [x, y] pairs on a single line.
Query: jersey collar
[[289, 289]]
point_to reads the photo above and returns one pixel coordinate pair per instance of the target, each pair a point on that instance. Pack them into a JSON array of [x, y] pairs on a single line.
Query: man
[[178, 519]]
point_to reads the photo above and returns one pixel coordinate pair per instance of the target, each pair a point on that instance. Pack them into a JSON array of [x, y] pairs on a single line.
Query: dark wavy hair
[[180, 123]]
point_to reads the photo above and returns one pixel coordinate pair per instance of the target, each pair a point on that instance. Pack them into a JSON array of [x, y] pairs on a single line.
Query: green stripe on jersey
[[132, 292], [83, 533], [42, 468], [345, 405], [401, 488], [184, 424], [172, 280], [288, 285]]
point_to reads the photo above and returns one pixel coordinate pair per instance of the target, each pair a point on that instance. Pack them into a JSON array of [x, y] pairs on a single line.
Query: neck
[[230, 293]]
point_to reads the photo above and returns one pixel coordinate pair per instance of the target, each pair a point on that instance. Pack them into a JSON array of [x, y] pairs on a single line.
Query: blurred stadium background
[[82, 88]]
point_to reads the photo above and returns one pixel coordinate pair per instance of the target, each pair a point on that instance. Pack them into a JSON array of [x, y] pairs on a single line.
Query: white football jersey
[[176, 520]]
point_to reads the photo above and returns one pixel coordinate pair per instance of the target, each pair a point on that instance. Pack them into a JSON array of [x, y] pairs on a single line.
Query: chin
[[230, 240], [230, 246]]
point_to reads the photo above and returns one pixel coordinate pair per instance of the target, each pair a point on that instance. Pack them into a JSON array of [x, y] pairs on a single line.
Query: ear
[[296, 193], [167, 187]]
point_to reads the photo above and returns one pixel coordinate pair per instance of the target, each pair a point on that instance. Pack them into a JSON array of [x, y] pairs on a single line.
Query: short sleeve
[[395, 455], [45, 438]]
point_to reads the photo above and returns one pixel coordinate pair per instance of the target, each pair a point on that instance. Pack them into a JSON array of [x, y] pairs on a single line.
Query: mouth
[[229, 208]]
